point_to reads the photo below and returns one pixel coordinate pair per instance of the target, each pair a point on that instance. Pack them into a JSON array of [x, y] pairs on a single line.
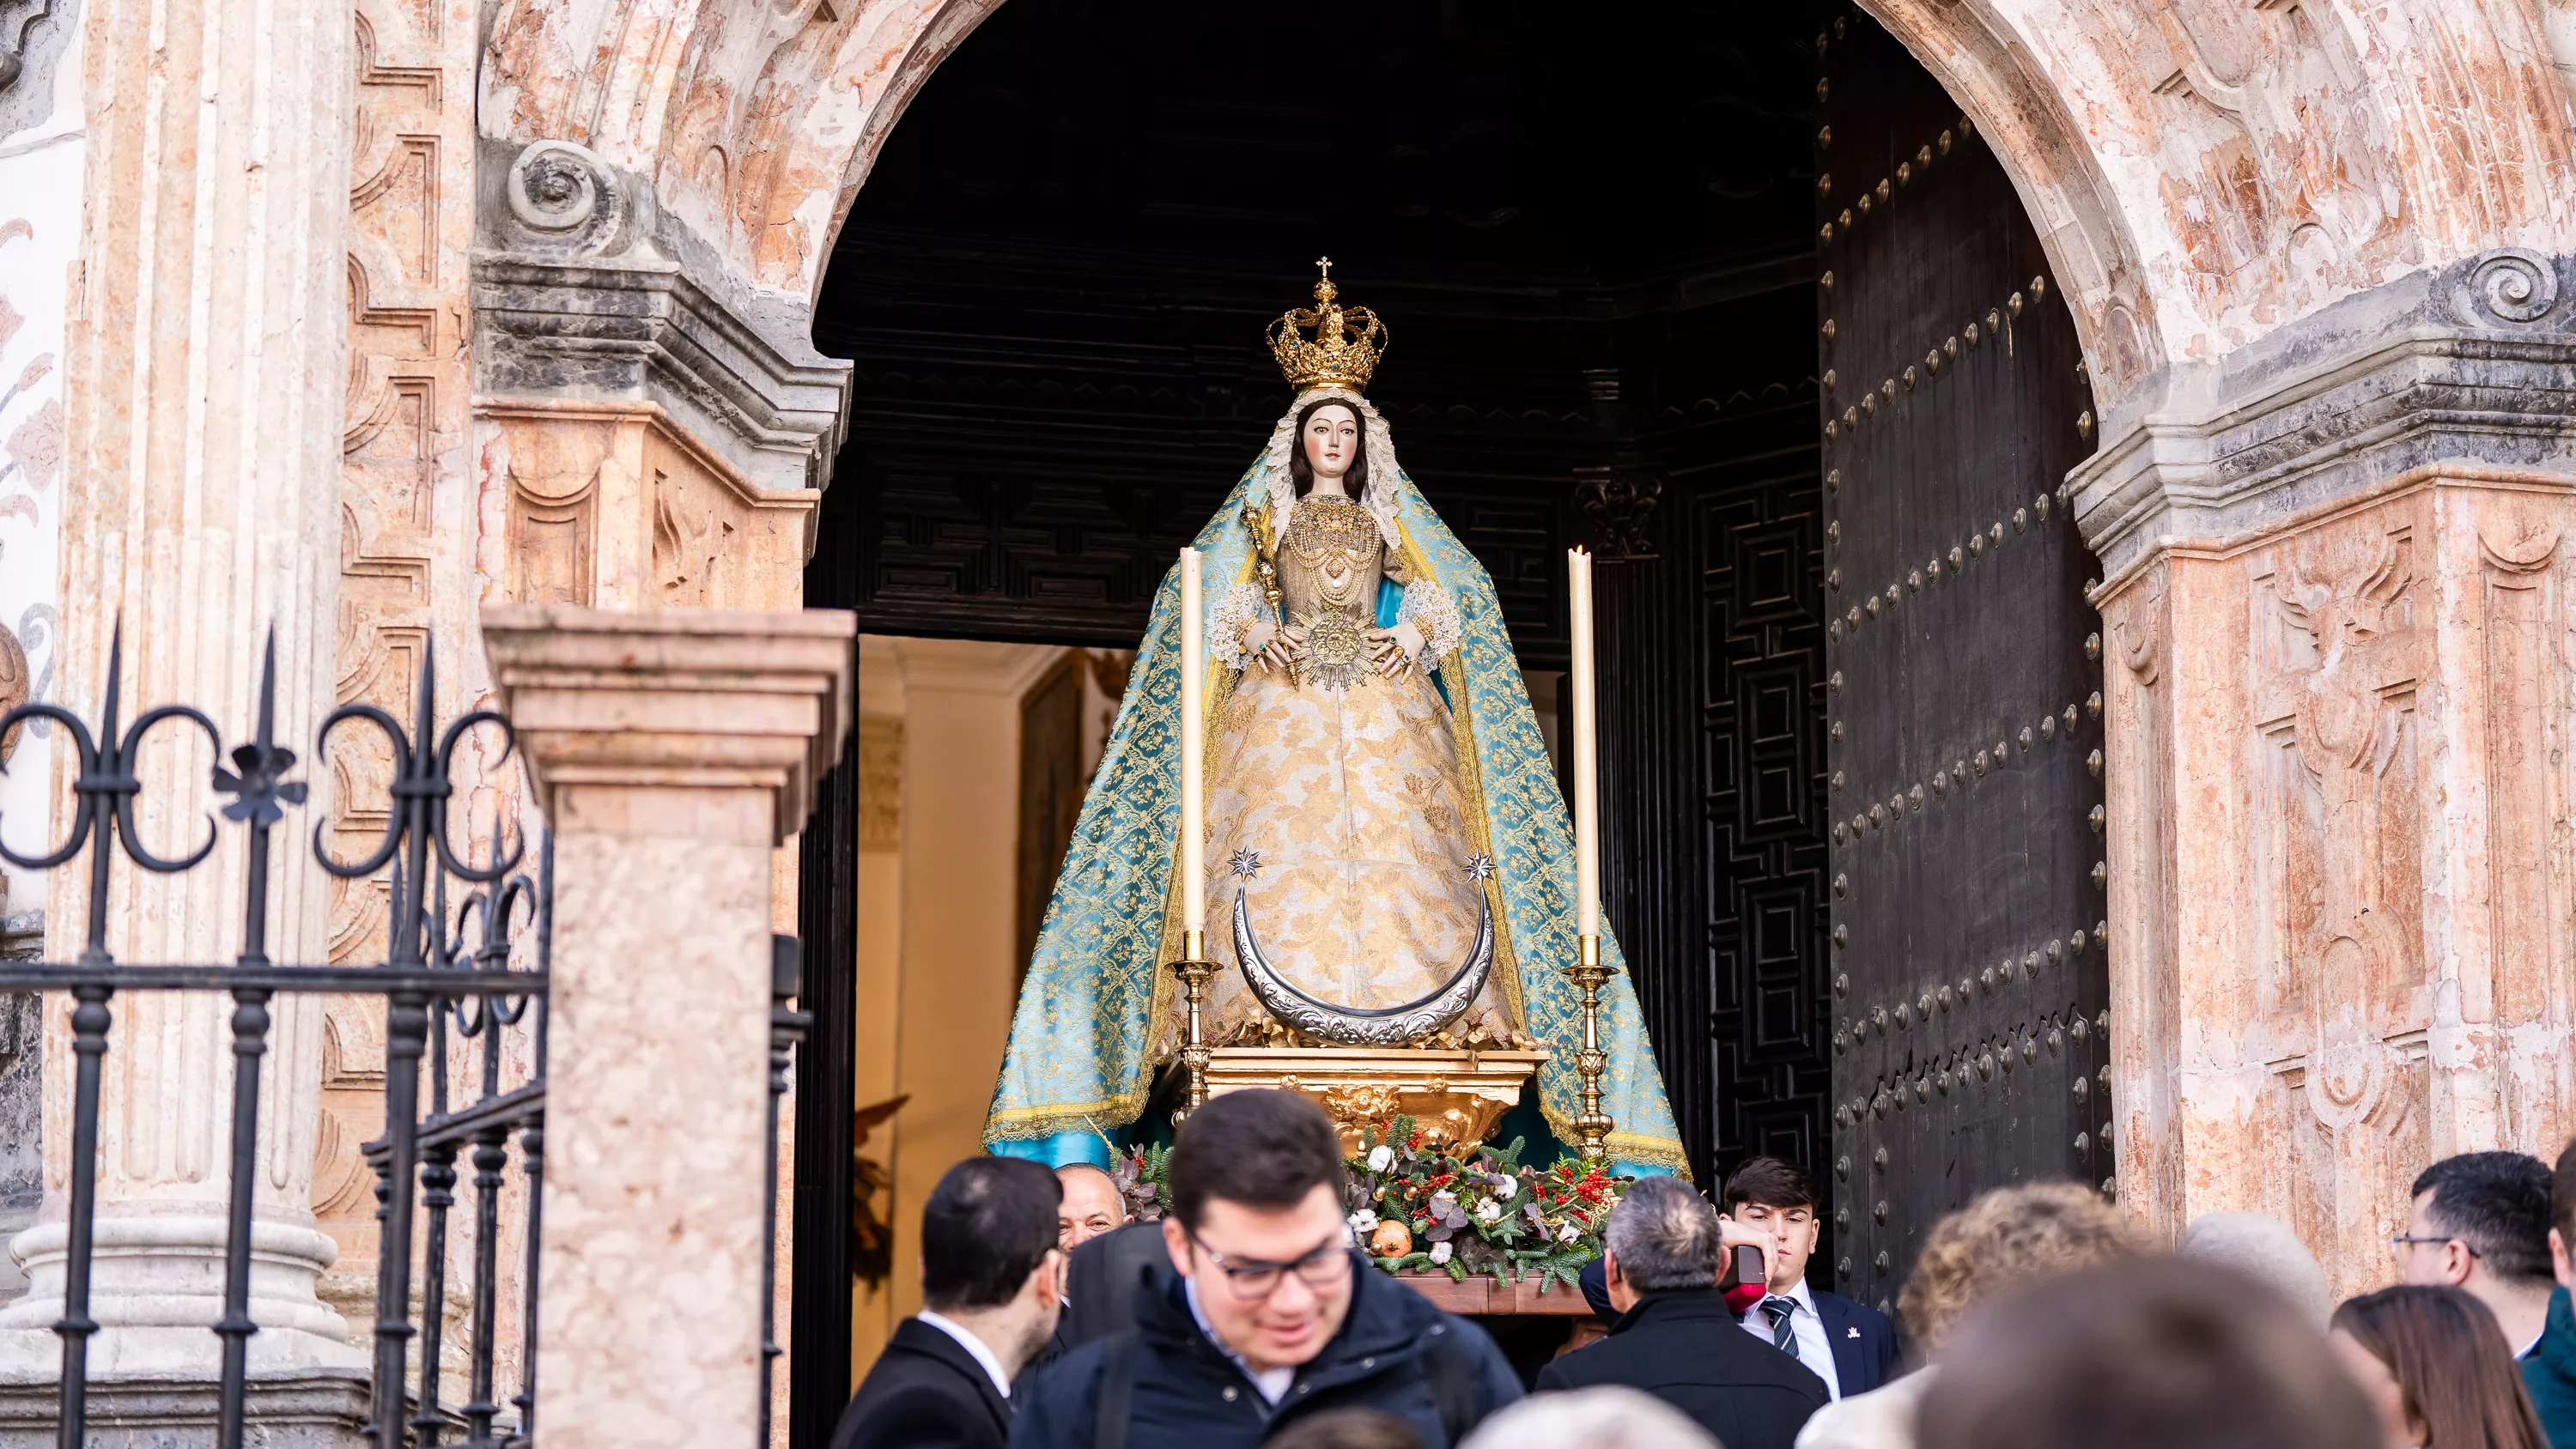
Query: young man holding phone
[[1850, 1346]]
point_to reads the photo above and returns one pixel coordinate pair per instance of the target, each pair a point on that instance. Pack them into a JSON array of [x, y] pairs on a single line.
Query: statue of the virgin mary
[[1380, 808]]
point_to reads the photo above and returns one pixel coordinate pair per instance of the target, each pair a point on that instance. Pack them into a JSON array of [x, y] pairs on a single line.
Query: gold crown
[[1345, 347]]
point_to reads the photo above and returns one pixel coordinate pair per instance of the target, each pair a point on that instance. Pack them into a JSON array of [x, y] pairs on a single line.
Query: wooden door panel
[[1963, 674]]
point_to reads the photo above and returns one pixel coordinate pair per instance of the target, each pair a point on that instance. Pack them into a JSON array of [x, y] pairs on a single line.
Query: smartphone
[[1748, 1266]]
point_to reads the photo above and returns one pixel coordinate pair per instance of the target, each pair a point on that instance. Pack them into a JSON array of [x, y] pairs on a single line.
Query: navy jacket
[[2550, 1374], [1864, 1342], [1865, 1355], [924, 1392], [1189, 1395], [1689, 1350]]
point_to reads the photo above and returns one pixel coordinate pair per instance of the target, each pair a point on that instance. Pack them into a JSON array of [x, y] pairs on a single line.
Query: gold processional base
[[1454, 1096]]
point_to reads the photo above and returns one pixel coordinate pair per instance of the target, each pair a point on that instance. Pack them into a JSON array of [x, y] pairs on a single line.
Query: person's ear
[[1610, 1274], [1176, 1241], [1045, 1281], [2457, 1261], [2558, 1264]]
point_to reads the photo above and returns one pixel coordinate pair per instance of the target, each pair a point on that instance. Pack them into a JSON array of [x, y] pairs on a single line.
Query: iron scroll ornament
[[1351, 1026]]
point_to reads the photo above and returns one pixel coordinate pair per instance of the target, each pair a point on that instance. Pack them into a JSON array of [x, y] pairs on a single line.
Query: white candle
[[1587, 760], [1193, 750]]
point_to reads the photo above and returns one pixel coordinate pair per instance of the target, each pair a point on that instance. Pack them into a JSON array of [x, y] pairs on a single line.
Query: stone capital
[[628, 719], [2470, 363], [585, 290]]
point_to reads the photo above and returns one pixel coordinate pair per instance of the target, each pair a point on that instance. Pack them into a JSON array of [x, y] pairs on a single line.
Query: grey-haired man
[[1676, 1338]]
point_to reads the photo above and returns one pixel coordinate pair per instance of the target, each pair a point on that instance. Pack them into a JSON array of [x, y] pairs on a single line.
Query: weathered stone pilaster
[[205, 367], [2343, 646], [671, 751]]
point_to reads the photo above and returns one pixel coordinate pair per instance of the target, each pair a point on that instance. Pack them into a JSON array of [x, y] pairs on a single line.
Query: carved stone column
[[205, 370], [671, 751], [2343, 906]]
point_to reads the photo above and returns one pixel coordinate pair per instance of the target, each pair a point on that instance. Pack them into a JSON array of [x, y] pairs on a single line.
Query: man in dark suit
[[1676, 1338], [1851, 1347], [989, 1270]]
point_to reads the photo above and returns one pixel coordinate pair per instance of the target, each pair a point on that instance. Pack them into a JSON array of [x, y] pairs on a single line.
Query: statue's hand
[[1387, 653], [1260, 639], [1287, 644]]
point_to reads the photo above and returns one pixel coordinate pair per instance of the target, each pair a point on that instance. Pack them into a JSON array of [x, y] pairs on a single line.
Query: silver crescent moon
[[1350, 1026]]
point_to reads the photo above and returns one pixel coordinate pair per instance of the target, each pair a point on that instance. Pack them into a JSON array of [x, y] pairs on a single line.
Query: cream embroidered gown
[[1344, 784]]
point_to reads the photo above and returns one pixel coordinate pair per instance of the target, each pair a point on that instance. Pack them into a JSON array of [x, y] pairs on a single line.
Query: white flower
[[1568, 1233], [1488, 1210], [1364, 1221], [1439, 1252], [1506, 1188], [1380, 1157]]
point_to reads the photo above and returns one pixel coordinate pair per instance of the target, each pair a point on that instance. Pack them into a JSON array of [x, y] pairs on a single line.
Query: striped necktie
[[1783, 1337]]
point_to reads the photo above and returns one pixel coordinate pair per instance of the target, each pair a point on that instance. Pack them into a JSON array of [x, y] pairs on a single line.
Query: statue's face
[[1332, 440]]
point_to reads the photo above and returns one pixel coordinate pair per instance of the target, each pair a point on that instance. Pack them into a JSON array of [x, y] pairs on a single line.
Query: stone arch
[[753, 123], [2203, 174]]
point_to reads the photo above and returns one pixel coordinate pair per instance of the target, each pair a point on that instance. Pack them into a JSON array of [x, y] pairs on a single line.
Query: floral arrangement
[[1138, 1171], [1420, 1208], [1436, 1209]]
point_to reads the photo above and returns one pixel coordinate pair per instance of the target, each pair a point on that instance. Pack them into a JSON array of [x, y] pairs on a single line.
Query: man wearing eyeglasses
[[2480, 1222], [1267, 1314]]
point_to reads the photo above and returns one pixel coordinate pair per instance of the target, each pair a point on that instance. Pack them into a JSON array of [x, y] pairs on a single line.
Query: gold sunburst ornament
[[1345, 346], [1335, 652]]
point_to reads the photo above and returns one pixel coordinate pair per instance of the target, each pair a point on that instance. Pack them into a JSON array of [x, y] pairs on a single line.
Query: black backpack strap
[[1117, 1391], [1453, 1381]]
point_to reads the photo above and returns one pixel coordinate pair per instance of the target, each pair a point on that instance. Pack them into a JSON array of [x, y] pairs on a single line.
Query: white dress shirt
[[1272, 1383], [1815, 1350], [966, 1339]]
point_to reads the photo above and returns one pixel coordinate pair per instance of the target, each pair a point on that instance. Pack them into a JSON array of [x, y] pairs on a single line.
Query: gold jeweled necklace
[[1332, 528]]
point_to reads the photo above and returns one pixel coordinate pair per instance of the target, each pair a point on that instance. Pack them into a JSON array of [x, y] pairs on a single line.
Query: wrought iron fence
[[450, 990]]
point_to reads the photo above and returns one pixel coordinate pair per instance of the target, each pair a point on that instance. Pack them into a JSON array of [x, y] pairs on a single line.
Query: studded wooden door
[[1964, 750]]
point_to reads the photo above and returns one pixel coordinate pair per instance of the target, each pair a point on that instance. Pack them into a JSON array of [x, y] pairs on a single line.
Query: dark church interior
[[1591, 247], [1606, 252]]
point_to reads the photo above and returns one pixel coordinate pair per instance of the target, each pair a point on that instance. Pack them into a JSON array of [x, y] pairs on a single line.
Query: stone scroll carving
[[565, 201], [16, 16], [2513, 287], [16, 684]]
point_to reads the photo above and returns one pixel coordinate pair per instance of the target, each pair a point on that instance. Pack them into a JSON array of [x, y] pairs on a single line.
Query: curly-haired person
[[2006, 1239]]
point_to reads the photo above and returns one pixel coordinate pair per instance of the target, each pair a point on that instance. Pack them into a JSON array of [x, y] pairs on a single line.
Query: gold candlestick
[[1195, 971], [1588, 973]]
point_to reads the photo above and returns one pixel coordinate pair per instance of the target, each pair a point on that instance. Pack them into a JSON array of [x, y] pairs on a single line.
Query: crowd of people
[[2034, 1316]]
